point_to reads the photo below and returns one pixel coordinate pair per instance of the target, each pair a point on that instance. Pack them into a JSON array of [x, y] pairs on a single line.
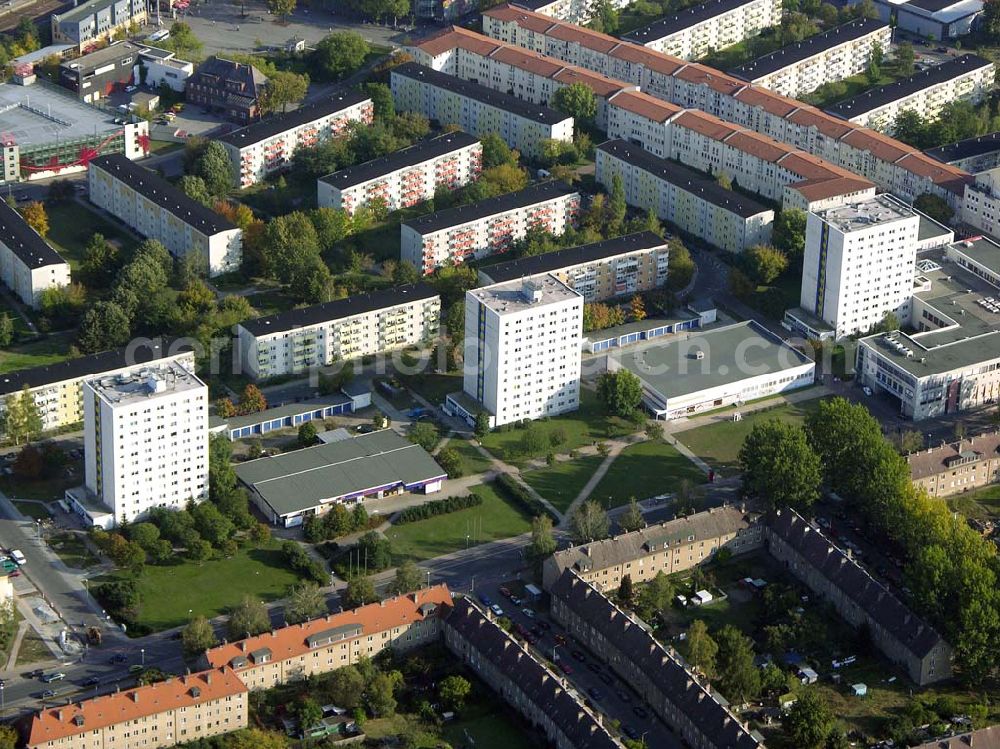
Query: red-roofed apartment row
[[321, 645], [775, 170], [514, 70], [890, 164], [180, 709], [214, 701]]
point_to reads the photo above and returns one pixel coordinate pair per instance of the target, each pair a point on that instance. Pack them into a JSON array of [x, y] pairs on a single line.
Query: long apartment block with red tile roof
[[902, 170], [772, 169], [178, 710], [321, 645], [509, 68]]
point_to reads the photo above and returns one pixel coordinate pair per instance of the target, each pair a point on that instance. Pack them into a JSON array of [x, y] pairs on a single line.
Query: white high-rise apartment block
[[404, 178], [858, 264], [694, 32], [522, 349], [146, 439], [831, 56]]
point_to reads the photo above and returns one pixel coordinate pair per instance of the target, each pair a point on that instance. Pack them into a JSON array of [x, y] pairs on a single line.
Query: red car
[[505, 592], [565, 668]]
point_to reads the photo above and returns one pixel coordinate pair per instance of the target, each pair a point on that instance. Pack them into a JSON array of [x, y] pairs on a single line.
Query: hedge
[[521, 496], [437, 507]]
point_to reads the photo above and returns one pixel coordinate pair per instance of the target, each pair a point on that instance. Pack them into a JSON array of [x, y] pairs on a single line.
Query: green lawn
[[981, 504], [433, 387], [473, 461], [34, 510], [719, 444], [494, 519], [51, 349], [562, 482], [72, 549], [485, 728], [164, 146], [46, 489], [645, 470], [585, 426], [269, 199], [211, 588], [32, 650], [71, 225]]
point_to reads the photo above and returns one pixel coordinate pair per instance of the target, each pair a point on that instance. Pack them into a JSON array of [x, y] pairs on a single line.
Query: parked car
[[640, 712], [93, 681], [485, 599], [54, 676], [505, 592], [565, 668], [497, 611], [578, 655], [47, 694], [130, 89], [528, 613]]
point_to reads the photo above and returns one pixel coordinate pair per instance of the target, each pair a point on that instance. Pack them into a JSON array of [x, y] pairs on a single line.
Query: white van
[[18, 557]]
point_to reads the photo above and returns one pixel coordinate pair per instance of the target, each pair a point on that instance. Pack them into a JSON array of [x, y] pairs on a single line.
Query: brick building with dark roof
[[902, 636], [691, 709], [230, 88], [523, 681], [957, 467]]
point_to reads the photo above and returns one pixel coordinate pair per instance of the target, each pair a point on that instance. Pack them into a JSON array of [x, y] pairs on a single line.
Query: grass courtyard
[[585, 426], [645, 470], [980, 504], [51, 349], [562, 482], [71, 226], [496, 518], [719, 444], [473, 461], [210, 588]]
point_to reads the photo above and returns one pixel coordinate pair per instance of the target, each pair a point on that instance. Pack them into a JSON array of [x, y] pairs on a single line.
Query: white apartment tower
[[858, 264], [522, 348], [146, 439]]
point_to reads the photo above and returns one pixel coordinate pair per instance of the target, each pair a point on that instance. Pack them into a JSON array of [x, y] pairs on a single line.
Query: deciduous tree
[[578, 101], [305, 601], [738, 677], [338, 54], [249, 617], [780, 469], [620, 392], [543, 540], [197, 637], [700, 648], [589, 522], [631, 519], [36, 217]]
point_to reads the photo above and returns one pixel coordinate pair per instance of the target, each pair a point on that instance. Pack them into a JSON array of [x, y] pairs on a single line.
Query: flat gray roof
[[974, 337], [732, 353], [33, 115], [512, 296], [280, 412], [297, 481]]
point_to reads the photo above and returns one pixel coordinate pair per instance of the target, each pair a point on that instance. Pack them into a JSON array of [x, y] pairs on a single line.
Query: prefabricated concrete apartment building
[[344, 329], [477, 109], [158, 210], [491, 226], [404, 178], [267, 147]]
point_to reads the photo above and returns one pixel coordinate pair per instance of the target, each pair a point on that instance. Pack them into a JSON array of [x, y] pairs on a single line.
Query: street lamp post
[[557, 645], [3, 705], [142, 656]]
